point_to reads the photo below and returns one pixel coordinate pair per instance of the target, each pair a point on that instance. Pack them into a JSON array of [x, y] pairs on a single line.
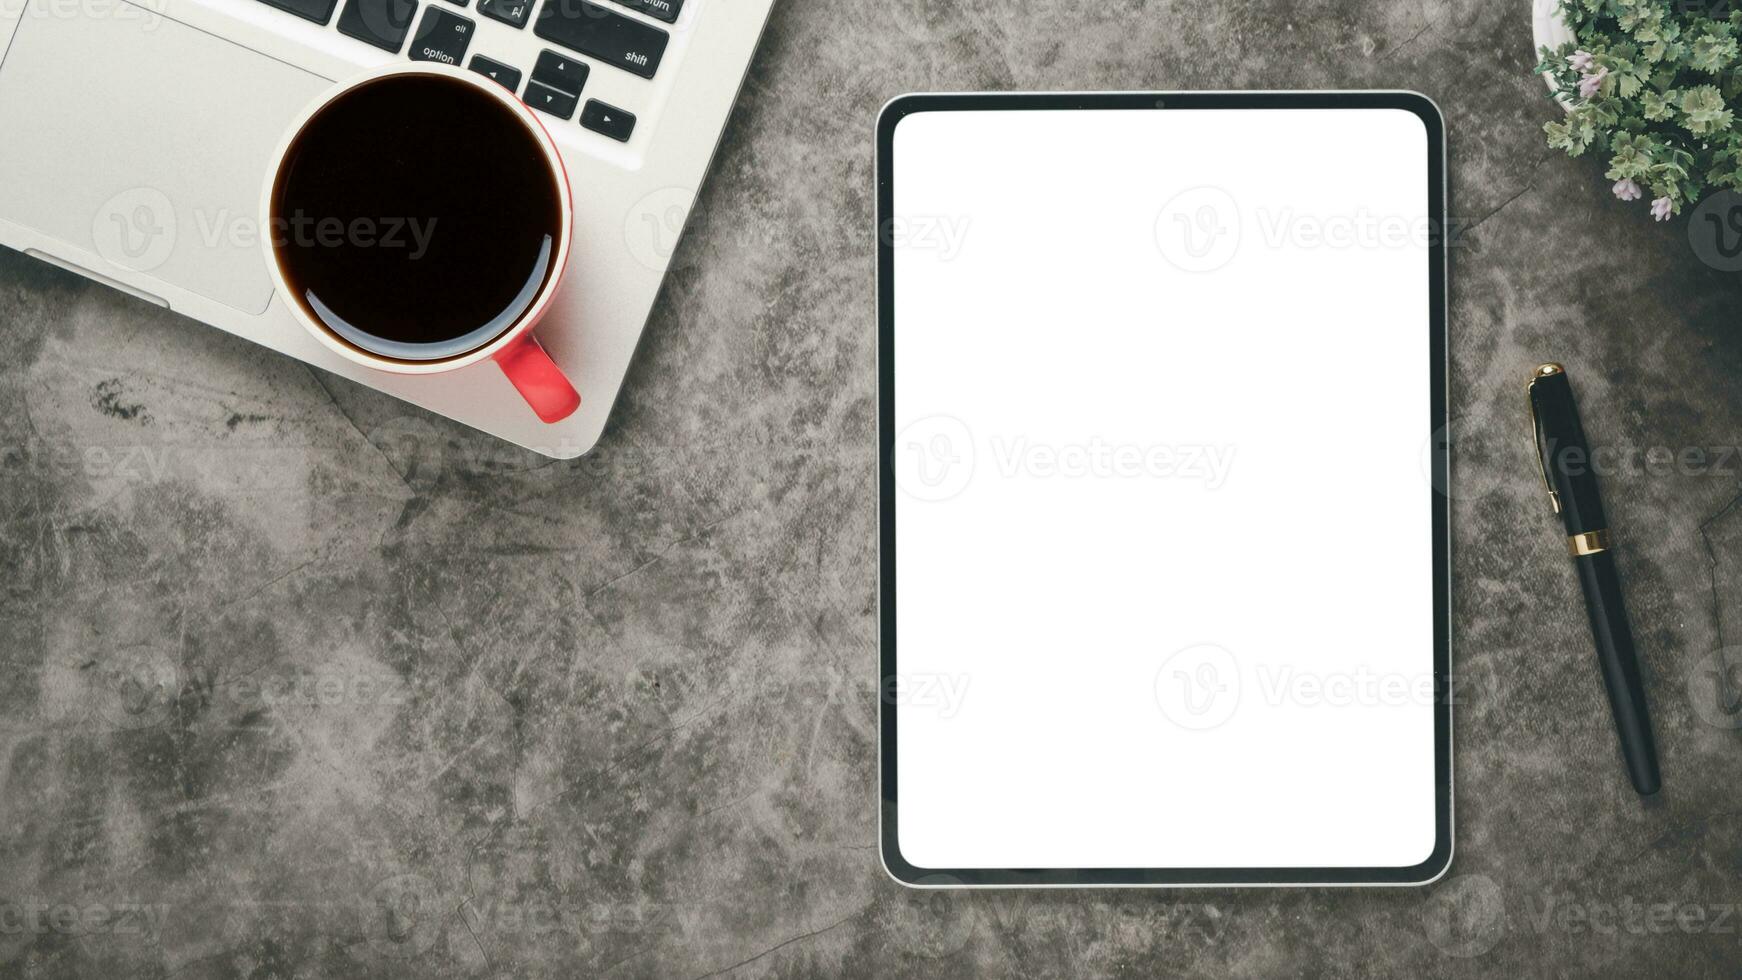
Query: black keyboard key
[[508, 76], [319, 11], [666, 10], [603, 34], [562, 72], [507, 11], [459, 3], [441, 36], [547, 99], [383, 23], [608, 120]]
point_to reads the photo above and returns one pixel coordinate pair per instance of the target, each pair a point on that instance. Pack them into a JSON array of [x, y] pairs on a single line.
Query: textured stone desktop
[[301, 681]]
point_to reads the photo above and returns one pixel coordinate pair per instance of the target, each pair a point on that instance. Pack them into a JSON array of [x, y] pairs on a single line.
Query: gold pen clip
[[1542, 371]]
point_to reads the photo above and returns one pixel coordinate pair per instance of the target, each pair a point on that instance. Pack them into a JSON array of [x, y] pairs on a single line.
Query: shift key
[[602, 34]]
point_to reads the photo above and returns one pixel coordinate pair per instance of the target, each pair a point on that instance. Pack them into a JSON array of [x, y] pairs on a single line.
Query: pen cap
[[1566, 457]]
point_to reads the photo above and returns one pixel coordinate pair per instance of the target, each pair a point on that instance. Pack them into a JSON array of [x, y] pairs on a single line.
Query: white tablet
[[1164, 586]]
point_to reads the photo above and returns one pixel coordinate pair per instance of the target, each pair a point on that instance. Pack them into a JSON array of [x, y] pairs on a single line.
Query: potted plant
[[1653, 85]]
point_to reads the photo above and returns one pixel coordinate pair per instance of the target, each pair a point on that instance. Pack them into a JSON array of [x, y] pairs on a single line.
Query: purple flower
[[1590, 84], [1581, 61], [1627, 190], [1660, 209]]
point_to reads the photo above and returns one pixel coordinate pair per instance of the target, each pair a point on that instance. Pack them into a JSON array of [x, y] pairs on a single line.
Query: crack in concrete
[[777, 947], [1406, 42], [1712, 562], [391, 466], [1723, 674], [1527, 188]]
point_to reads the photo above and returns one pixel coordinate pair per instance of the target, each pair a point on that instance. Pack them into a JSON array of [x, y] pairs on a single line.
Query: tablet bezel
[[897, 866]]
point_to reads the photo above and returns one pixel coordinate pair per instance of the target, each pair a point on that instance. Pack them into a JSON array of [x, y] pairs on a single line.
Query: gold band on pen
[[1588, 543]]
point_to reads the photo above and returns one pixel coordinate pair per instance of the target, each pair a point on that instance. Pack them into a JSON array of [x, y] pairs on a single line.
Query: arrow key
[[547, 99], [563, 72], [608, 120], [508, 76]]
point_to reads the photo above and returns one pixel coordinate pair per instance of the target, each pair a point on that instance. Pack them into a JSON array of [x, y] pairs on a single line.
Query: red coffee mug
[[515, 350]]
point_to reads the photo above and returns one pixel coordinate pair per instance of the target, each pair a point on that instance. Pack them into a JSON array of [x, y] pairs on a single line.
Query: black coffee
[[416, 217]]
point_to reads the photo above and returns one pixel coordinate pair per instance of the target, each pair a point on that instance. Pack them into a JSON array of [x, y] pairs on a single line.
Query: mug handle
[[538, 379]]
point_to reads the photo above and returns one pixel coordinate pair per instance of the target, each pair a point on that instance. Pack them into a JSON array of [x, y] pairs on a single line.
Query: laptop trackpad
[[146, 142]]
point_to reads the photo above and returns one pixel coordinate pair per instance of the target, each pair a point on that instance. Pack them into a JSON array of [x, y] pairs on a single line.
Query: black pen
[[1572, 488]]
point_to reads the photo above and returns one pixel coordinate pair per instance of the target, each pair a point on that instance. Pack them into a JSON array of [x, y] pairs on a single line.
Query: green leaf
[[1711, 53], [1731, 85], [1574, 135], [1632, 158], [1655, 107], [1638, 18], [1703, 110]]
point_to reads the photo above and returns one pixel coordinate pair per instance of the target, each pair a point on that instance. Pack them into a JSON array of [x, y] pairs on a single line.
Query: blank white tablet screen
[[1163, 518]]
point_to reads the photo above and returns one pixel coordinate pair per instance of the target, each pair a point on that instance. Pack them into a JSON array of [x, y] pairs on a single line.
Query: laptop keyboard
[[510, 12], [584, 33], [319, 11], [603, 34], [383, 23]]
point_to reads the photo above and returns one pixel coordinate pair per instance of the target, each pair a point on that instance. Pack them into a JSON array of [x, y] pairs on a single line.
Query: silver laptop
[[135, 136]]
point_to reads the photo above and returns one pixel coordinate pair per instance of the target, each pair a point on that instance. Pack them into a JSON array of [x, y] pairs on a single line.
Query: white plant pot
[[1548, 30]]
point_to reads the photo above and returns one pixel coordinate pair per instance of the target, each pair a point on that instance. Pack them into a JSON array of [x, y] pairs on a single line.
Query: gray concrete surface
[[301, 682]]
